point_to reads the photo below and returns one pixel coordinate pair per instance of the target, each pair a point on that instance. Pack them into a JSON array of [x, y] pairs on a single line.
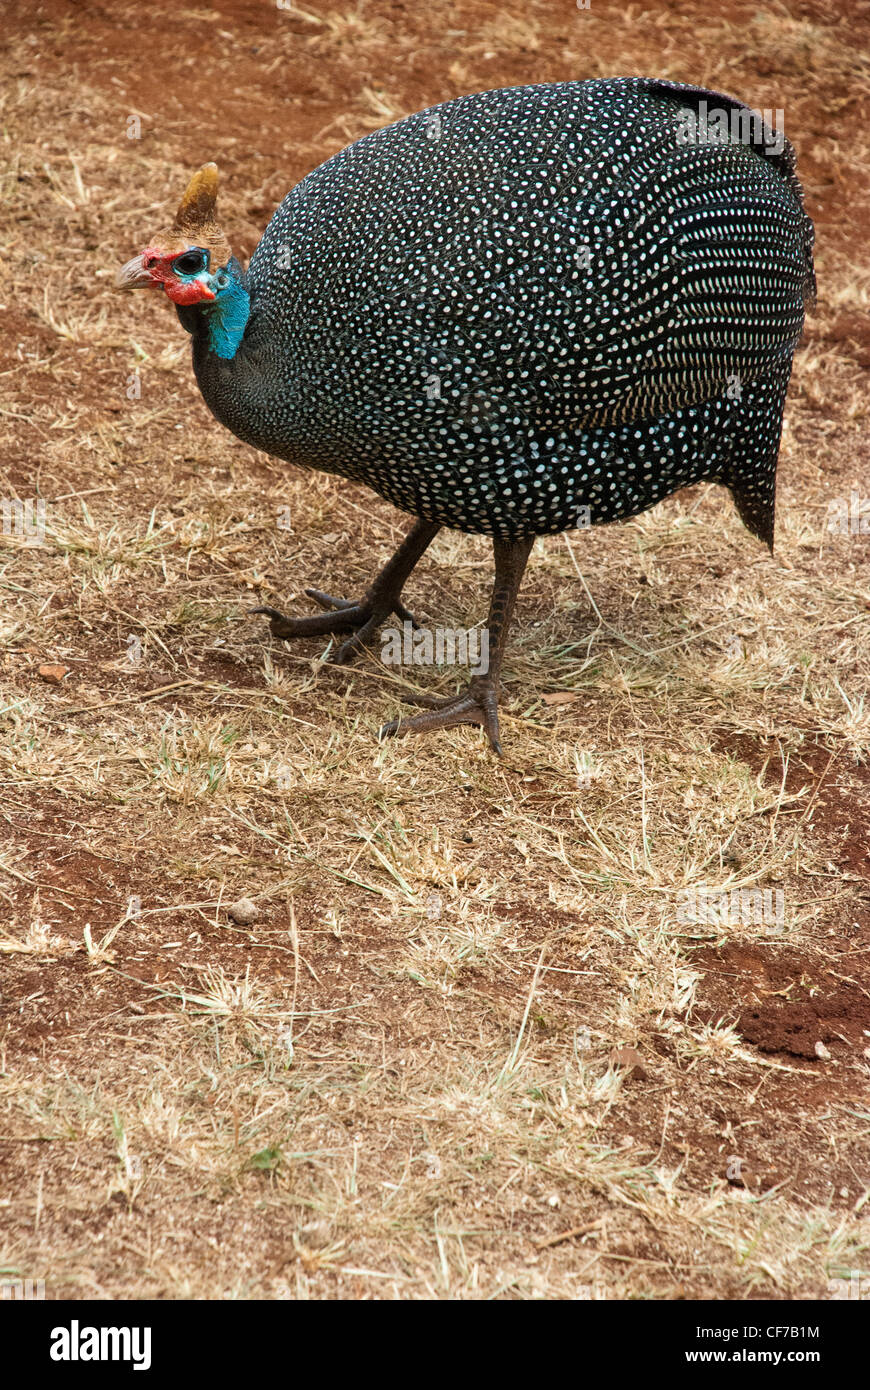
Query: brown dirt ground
[[450, 1110]]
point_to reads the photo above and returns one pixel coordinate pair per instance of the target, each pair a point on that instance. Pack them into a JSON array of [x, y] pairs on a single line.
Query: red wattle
[[161, 272]]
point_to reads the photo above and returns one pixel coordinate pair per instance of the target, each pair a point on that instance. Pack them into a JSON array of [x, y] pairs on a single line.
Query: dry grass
[[405, 1078]]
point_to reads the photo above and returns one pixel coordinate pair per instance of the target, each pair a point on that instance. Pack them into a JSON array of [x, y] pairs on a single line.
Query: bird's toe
[[475, 705]]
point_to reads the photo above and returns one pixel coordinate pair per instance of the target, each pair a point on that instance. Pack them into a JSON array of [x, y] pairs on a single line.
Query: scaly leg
[[478, 703], [361, 619]]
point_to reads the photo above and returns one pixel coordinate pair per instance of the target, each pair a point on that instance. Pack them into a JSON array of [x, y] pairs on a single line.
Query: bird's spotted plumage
[[529, 302], [516, 313]]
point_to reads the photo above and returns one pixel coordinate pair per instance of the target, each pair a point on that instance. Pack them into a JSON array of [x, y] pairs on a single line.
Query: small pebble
[[315, 1234], [740, 1172], [53, 674], [244, 912], [630, 1058]]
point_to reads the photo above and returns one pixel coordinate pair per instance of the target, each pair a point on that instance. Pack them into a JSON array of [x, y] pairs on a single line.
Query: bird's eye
[[191, 263]]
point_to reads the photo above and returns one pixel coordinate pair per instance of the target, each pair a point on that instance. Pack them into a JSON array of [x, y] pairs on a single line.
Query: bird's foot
[[361, 620], [476, 704]]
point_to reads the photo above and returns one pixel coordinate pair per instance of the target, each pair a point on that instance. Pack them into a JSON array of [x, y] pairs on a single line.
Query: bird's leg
[[361, 619], [478, 702]]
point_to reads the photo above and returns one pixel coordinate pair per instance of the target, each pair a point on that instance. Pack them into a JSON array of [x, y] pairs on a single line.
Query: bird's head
[[189, 261]]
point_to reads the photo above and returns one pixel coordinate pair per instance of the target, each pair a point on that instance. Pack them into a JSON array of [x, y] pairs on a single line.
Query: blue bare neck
[[221, 321]]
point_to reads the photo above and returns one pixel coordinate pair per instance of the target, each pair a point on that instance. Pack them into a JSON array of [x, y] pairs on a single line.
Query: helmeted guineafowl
[[514, 313]]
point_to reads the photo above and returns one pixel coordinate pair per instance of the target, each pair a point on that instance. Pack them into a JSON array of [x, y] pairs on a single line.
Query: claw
[[275, 618], [477, 704], [355, 643], [404, 616], [327, 601], [360, 619], [315, 626], [341, 615]]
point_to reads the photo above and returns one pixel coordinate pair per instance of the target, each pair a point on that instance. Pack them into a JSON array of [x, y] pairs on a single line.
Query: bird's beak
[[134, 276]]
